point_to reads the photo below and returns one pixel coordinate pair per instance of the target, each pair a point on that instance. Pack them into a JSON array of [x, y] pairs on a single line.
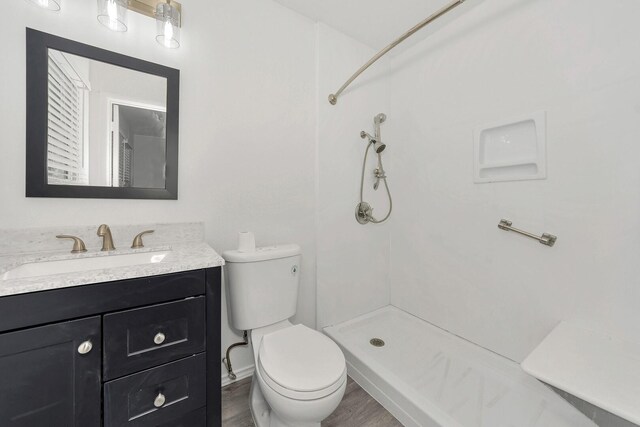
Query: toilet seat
[[301, 363]]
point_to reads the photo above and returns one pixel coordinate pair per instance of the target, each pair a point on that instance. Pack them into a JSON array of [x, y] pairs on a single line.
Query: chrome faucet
[[107, 240]]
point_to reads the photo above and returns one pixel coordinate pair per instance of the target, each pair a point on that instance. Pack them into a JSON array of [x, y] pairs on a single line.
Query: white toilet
[[301, 374]]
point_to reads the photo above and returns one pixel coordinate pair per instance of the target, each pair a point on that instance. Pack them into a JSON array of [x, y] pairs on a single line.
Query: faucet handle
[[137, 241], [78, 244]]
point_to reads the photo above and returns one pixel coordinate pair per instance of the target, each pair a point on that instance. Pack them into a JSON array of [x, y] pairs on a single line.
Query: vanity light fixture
[[113, 14], [167, 13], [47, 4]]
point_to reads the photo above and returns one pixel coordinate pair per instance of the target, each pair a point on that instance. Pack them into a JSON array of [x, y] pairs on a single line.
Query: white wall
[[247, 126], [353, 260], [451, 265], [262, 153]]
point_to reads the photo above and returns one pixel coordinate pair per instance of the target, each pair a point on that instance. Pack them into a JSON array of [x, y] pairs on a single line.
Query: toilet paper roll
[[246, 241]]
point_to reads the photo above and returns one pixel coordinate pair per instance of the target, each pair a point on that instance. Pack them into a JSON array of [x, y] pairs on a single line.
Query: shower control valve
[[379, 174], [363, 213]]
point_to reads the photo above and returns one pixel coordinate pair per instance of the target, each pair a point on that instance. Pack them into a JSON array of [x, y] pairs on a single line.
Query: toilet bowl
[[300, 374]]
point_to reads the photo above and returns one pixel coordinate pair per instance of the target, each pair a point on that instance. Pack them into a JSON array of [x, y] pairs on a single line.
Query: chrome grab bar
[[545, 239]]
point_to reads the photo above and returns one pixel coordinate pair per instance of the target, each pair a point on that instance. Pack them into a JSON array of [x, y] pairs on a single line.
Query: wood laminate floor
[[357, 408]]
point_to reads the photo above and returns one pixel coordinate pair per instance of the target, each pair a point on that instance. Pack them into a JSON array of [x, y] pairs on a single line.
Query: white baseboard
[[241, 374]]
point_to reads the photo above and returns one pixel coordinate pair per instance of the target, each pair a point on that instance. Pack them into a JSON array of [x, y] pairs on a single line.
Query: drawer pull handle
[[159, 400], [85, 347], [159, 338]]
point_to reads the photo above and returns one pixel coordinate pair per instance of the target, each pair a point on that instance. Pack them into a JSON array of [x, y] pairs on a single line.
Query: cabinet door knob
[[85, 347], [159, 400], [159, 338]]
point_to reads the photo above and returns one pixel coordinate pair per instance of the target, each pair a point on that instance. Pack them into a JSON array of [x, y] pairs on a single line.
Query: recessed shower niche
[[511, 150]]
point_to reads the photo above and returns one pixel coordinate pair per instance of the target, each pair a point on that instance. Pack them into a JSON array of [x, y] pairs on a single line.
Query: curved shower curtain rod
[[333, 98]]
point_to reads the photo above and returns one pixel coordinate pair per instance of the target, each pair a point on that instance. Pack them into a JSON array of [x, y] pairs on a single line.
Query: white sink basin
[[46, 268]]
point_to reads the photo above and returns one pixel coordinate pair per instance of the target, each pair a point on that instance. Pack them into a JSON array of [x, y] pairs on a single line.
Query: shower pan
[[364, 211], [428, 377]]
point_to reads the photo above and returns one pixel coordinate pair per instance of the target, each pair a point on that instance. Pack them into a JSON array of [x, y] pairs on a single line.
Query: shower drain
[[376, 342]]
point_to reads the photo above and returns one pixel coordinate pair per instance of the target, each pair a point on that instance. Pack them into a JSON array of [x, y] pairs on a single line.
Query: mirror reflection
[[106, 124]]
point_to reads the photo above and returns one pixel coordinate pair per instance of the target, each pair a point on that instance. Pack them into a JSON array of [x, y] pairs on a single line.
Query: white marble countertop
[[181, 257]]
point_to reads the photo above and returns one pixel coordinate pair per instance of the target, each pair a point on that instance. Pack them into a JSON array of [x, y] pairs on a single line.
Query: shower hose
[[368, 212]]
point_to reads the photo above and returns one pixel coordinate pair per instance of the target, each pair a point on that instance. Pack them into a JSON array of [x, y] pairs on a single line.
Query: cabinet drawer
[[192, 419], [149, 336], [153, 397]]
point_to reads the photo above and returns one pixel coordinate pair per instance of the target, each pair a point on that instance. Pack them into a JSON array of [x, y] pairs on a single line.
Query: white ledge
[[591, 365]]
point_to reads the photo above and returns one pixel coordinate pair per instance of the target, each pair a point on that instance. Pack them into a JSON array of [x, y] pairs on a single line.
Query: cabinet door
[[50, 376]]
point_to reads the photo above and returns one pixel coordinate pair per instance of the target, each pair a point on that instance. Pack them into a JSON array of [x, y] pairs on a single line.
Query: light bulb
[[113, 14], [168, 34], [168, 25], [112, 11]]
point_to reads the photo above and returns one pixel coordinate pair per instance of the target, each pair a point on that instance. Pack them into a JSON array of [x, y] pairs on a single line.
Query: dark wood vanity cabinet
[[145, 353]]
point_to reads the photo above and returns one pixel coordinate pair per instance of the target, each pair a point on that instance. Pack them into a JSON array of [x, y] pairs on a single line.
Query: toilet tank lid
[[265, 253]]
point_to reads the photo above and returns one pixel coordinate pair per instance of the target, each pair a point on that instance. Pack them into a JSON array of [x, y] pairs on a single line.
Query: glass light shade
[[113, 14], [168, 24], [47, 4]]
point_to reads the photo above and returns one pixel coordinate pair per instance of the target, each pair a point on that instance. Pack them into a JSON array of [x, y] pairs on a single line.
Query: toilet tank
[[262, 285]]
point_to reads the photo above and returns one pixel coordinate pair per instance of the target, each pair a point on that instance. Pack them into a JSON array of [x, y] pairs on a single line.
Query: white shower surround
[[353, 260], [502, 60], [449, 263]]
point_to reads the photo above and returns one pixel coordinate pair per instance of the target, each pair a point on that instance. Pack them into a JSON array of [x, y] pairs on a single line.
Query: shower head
[[378, 146], [380, 118]]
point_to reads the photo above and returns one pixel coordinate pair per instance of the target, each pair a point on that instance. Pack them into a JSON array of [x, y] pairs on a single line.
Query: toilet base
[[260, 411], [262, 414]]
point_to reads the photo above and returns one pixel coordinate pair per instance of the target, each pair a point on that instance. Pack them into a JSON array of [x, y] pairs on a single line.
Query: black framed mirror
[[99, 124]]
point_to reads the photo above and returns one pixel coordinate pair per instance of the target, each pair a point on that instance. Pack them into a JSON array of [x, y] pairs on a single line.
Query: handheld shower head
[[378, 146]]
